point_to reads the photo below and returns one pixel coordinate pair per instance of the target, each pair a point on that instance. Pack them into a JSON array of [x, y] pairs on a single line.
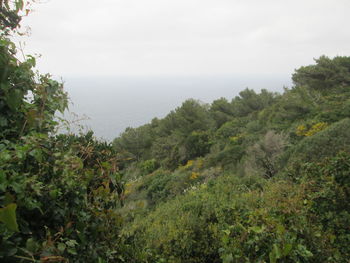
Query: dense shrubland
[[261, 178], [264, 177]]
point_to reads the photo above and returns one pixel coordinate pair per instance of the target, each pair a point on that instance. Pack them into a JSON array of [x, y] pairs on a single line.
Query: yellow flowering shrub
[[194, 175], [189, 164], [316, 128], [303, 131]]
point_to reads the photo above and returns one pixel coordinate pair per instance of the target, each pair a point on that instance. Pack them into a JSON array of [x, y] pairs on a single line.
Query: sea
[[108, 105]]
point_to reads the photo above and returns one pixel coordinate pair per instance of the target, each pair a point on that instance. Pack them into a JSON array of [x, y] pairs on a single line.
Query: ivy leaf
[[8, 217]]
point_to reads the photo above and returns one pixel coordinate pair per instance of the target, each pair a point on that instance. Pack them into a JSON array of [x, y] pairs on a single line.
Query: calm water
[[113, 104]]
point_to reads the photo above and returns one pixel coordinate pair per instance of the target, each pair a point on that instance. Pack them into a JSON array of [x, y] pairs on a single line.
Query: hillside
[[261, 178], [264, 177]]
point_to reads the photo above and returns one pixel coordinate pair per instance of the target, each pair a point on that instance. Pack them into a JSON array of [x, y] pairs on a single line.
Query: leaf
[[31, 245], [280, 229], [274, 254], [72, 251], [227, 231], [37, 154], [287, 248], [227, 258], [8, 217], [5, 156], [8, 199], [3, 181], [61, 247], [257, 229], [72, 243], [3, 121], [276, 251], [14, 98], [19, 5], [272, 257]]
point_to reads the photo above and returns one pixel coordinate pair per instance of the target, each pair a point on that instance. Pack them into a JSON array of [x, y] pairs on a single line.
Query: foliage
[[327, 74], [149, 166], [234, 220], [256, 179], [58, 194], [266, 153], [303, 131], [11, 12], [254, 185], [325, 143]]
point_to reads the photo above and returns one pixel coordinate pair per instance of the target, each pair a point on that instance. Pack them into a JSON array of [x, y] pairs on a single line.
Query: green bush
[[236, 219], [149, 166], [326, 143], [58, 194]]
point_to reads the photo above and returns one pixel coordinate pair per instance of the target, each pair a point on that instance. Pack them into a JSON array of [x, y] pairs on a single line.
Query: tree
[[192, 116], [249, 101], [221, 111], [136, 141], [265, 154], [326, 74]]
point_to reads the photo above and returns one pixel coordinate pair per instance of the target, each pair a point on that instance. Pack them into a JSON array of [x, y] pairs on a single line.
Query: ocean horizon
[[108, 105]]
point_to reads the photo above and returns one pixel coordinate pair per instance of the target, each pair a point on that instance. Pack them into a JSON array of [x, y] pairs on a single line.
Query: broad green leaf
[[31, 245], [227, 231], [281, 229], [272, 257], [61, 247], [287, 248], [37, 154], [227, 258], [14, 99], [8, 217], [72, 251], [19, 5], [257, 229], [277, 251], [72, 243]]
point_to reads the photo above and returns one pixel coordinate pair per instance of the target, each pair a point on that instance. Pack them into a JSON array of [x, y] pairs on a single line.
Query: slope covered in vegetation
[[261, 178], [264, 177]]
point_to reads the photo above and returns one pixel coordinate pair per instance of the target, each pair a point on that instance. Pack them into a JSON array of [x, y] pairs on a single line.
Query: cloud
[[186, 37]]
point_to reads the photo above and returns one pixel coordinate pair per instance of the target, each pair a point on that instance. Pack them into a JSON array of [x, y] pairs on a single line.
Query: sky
[[185, 37], [125, 62]]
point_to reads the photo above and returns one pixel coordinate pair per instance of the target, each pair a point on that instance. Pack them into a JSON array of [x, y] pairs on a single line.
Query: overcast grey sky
[[186, 37]]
